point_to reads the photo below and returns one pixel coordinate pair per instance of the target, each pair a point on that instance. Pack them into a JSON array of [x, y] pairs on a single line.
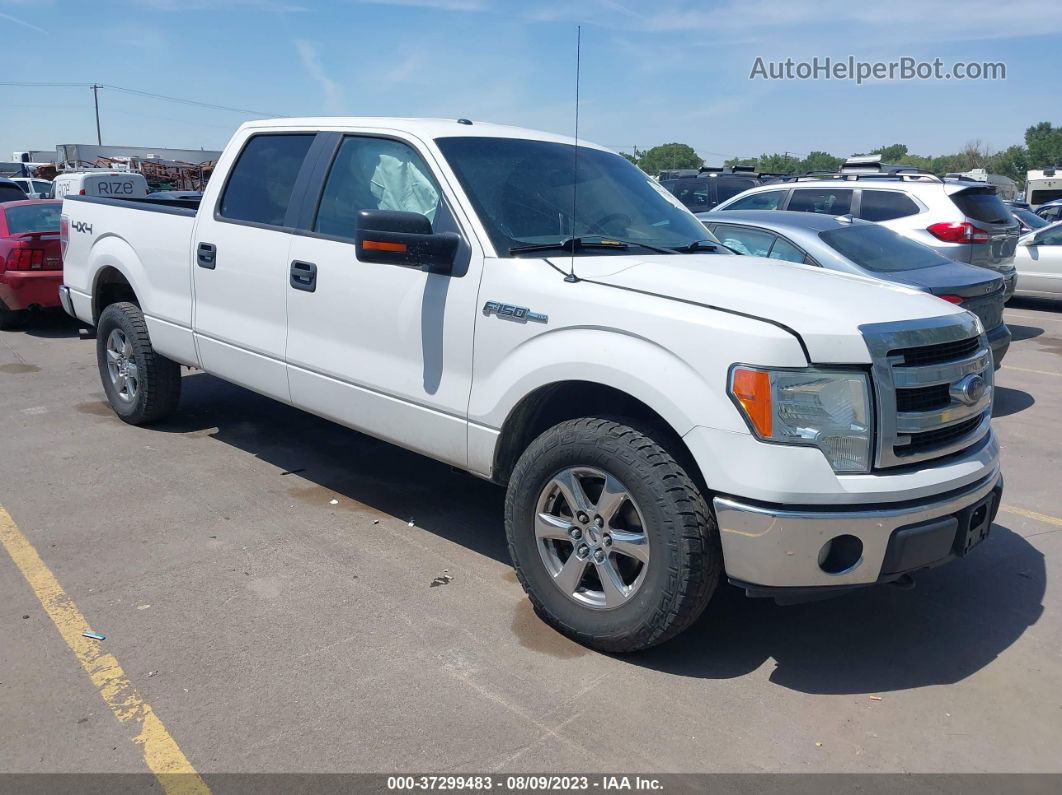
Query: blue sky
[[652, 71]]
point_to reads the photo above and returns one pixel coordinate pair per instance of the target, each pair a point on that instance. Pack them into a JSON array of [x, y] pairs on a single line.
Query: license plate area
[[975, 523]]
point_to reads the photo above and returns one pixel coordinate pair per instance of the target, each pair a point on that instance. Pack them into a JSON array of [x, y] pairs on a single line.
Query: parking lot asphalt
[[264, 580]]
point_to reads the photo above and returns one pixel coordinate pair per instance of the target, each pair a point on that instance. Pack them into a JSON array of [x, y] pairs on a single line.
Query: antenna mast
[[575, 150]]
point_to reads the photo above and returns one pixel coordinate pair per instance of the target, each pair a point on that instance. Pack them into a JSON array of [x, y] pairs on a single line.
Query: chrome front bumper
[[64, 299], [772, 547]]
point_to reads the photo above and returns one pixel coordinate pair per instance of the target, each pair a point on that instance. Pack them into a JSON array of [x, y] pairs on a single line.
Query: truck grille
[[931, 440], [923, 398], [933, 384]]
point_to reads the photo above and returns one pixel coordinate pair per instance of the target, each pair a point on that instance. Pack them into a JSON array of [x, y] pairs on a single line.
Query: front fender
[[637, 366]]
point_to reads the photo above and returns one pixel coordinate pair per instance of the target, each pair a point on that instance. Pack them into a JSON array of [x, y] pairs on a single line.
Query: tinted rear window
[[829, 201], [884, 205], [725, 188], [694, 193], [33, 218], [877, 248], [260, 185], [982, 206]]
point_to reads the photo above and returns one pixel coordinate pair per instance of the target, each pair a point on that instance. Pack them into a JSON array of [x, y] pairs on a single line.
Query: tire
[[11, 319], [658, 591], [147, 385]]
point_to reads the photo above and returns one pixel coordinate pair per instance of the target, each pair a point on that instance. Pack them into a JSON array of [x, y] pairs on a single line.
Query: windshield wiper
[[698, 245], [704, 245], [587, 241]]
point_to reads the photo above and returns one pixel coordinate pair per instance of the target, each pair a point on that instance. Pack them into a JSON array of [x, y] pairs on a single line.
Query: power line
[[138, 92], [190, 101]]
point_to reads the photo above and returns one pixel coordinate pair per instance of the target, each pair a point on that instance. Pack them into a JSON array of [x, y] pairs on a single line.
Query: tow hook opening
[[841, 554]]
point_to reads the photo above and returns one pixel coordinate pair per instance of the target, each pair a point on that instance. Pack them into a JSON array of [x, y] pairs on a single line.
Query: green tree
[[778, 163], [894, 153], [673, 155], [821, 161], [1044, 142], [1012, 162]]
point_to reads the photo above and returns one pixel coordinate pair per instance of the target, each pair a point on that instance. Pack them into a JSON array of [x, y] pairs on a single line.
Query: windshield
[[522, 191], [1031, 219], [877, 248], [33, 218]]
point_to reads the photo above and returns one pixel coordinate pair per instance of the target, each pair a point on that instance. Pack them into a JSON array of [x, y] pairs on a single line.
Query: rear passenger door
[[239, 252]]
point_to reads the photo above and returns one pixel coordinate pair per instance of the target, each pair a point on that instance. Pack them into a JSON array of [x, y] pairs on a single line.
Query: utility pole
[[96, 97]]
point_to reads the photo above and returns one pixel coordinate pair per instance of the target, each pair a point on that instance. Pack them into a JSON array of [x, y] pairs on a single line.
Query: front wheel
[[142, 386], [611, 539]]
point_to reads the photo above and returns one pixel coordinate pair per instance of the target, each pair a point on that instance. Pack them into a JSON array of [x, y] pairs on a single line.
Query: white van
[[106, 184]]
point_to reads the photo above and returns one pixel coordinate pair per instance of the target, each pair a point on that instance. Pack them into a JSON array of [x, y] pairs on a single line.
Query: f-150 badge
[[521, 314]]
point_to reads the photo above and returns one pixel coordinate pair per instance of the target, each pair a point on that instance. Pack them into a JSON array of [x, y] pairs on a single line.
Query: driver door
[[383, 348]]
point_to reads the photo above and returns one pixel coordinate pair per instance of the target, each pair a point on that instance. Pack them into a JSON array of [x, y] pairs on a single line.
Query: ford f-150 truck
[[538, 312]]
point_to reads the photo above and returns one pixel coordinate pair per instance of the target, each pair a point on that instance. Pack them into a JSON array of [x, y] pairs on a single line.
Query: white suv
[[961, 219]]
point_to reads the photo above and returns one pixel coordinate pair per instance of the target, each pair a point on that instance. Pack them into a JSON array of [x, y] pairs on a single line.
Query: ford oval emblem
[[970, 389]]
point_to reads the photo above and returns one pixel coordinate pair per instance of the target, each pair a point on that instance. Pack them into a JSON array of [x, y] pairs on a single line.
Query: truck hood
[[823, 308]]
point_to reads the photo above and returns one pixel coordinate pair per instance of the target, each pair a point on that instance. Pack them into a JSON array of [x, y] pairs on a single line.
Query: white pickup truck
[[663, 414]]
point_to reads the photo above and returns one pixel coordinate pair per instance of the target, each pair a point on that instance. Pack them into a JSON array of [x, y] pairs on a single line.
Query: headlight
[[819, 408]]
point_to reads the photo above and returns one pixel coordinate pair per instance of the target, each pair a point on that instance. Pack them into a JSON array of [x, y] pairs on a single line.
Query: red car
[[31, 263]]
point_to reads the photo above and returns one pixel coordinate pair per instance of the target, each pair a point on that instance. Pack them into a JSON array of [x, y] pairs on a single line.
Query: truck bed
[[172, 206]]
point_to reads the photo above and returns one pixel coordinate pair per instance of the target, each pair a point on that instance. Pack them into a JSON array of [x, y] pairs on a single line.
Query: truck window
[[884, 205], [374, 174], [524, 192], [259, 187]]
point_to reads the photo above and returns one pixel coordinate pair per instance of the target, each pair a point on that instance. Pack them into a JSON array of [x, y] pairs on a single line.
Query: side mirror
[[401, 238]]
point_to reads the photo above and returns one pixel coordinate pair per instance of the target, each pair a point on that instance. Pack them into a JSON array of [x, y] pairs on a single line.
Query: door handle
[[206, 255], [303, 276]]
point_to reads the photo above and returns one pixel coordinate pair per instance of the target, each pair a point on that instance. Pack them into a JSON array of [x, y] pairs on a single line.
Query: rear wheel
[[142, 386], [610, 537]]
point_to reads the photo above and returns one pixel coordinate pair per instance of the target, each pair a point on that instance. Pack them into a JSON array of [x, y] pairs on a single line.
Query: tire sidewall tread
[[159, 387], [681, 529]]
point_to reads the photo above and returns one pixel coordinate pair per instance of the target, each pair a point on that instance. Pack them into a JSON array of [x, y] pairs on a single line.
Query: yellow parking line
[[1027, 370], [161, 752], [1039, 517]]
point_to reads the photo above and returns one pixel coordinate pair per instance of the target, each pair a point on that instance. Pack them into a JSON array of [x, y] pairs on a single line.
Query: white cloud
[[311, 62]]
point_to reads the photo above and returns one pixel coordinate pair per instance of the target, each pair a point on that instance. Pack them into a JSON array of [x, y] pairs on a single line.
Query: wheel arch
[[114, 263], [556, 402]]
